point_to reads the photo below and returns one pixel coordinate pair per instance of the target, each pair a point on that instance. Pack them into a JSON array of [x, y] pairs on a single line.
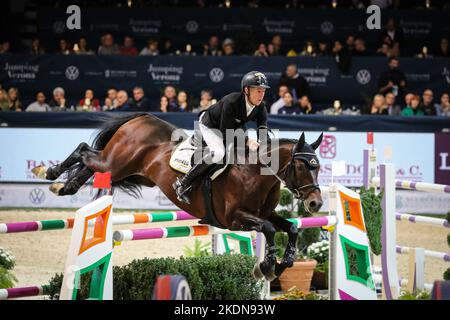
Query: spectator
[[89, 103], [108, 47], [378, 106], [151, 49], [59, 102], [427, 103], [305, 105], [384, 50], [4, 103], [444, 50], [408, 98], [228, 47], [289, 107], [128, 48], [36, 47], [108, 104], [139, 102], [392, 80], [261, 51], [424, 53], [112, 95], [350, 44], [413, 109], [212, 48], [167, 47], [279, 103], [336, 110], [5, 47], [395, 34], [297, 84], [82, 48], [14, 100], [164, 104], [206, 100], [322, 49], [122, 102], [182, 101], [342, 57], [392, 107], [271, 50], [171, 94], [277, 43], [188, 51], [64, 47], [443, 109], [309, 49], [360, 48], [39, 105]]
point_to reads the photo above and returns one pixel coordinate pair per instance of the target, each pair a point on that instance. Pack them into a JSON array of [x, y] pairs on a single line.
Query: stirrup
[[182, 194]]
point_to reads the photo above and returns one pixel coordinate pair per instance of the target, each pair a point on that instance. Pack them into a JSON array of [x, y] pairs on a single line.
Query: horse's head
[[301, 173]]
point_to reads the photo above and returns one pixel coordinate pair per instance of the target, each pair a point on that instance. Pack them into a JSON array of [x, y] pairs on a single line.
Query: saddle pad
[[181, 159]]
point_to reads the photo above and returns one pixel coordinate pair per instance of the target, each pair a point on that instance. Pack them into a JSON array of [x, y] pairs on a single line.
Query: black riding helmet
[[254, 79]]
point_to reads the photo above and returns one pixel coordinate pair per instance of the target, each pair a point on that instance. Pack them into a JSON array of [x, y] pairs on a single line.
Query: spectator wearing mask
[[428, 103], [128, 48], [279, 103], [289, 106], [378, 106], [14, 103], [443, 109], [298, 86], [413, 109], [39, 105], [393, 80], [4, 103], [139, 102], [81, 47], [122, 102], [151, 49], [108, 47], [171, 94], [392, 108], [59, 102], [305, 105], [36, 48], [182, 101], [212, 48], [89, 103]]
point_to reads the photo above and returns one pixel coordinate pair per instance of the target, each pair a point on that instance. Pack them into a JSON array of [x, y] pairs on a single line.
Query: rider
[[231, 112]]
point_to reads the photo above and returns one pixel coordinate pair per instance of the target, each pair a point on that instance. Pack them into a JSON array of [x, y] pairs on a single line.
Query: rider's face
[[256, 95]]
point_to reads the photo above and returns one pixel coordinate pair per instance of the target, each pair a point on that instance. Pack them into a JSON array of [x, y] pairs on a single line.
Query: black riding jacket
[[230, 112]]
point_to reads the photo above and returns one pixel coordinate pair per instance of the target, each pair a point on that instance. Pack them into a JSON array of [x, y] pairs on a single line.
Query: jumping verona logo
[[72, 73], [216, 75], [36, 196], [363, 76]]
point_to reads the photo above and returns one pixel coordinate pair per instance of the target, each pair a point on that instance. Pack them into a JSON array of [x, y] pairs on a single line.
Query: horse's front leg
[[244, 221]]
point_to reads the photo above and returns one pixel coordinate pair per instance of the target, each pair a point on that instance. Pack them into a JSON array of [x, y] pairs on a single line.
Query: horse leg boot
[[291, 248], [73, 185], [183, 187]]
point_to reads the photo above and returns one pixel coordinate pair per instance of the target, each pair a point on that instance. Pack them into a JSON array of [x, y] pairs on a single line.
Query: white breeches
[[214, 142]]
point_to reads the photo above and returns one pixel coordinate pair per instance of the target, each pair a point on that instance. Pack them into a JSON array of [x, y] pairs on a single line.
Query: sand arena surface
[[40, 255]]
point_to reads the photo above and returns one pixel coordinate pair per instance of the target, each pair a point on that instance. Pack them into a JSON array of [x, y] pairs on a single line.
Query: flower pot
[[299, 276]]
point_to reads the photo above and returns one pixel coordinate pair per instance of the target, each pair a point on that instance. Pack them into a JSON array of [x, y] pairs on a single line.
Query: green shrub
[[373, 217], [200, 249], [447, 275], [7, 279], [417, 295]]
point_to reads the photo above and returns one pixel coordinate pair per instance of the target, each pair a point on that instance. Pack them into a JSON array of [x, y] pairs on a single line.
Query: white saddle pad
[[182, 155]]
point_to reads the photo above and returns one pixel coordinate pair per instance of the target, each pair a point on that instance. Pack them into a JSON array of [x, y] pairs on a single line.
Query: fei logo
[[328, 147]]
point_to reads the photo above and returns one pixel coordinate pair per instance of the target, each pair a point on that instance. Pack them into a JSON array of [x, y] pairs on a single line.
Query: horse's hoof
[[56, 187], [257, 273], [40, 172]]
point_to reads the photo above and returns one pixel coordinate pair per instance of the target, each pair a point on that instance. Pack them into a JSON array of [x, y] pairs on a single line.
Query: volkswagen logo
[[72, 72], [37, 196], [192, 26], [216, 75], [363, 76], [327, 27], [59, 27]]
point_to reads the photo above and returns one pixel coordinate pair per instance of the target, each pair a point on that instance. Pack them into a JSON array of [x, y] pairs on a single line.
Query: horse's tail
[[110, 124]]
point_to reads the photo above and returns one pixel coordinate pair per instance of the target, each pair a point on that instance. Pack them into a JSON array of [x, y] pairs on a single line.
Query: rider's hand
[[252, 144]]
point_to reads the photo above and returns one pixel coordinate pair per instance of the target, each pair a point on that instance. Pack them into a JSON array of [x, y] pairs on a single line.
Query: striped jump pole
[[194, 231], [422, 220], [23, 292], [46, 225], [418, 186], [429, 253]]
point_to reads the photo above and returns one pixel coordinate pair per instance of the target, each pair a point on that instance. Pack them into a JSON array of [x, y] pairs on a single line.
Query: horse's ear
[[317, 143], [300, 143]]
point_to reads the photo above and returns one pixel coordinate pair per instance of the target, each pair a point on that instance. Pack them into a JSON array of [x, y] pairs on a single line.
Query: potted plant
[[319, 252]]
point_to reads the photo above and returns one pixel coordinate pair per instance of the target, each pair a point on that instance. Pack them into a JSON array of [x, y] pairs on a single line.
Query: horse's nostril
[[312, 204]]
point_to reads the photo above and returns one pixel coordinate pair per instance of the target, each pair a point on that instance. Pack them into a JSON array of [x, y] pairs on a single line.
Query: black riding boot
[[183, 186]]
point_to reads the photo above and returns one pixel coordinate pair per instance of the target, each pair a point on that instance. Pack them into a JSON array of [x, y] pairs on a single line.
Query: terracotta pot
[[300, 276]]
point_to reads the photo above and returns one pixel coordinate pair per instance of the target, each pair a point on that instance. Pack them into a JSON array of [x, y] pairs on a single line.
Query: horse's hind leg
[[74, 184]]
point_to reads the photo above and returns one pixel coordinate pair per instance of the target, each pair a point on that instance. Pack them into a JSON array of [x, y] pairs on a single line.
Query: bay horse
[[136, 150]]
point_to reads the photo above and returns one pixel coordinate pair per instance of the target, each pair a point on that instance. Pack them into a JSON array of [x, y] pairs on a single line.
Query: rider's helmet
[[254, 79]]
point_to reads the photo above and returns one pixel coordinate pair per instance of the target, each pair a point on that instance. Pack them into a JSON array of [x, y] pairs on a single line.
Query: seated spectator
[[228, 47], [350, 44], [167, 47], [14, 103], [58, 103], [427, 103], [128, 48], [82, 48], [342, 56], [112, 94], [289, 107], [322, 49], [309, 49], [305, 105], [151, 49], [89, 103], [393, 108], [279, 103], [139, 102], [171, 95], [108, 104], [188, 51], [360, 48], [122, 102], [261, 51], [424, 53], [4, 103], [182, 101], [206, 100], [107, 46], [443, 109], [444, 50], [408, 98], [378, 106], [271, 50], [277, 43], [392, 80], [391, 31], [212, 48], [413, 109], [335, 110], [297, 84], [5, 47], [64, 47], [39, 105], [36, 47], [384, 50], [164, 104]]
